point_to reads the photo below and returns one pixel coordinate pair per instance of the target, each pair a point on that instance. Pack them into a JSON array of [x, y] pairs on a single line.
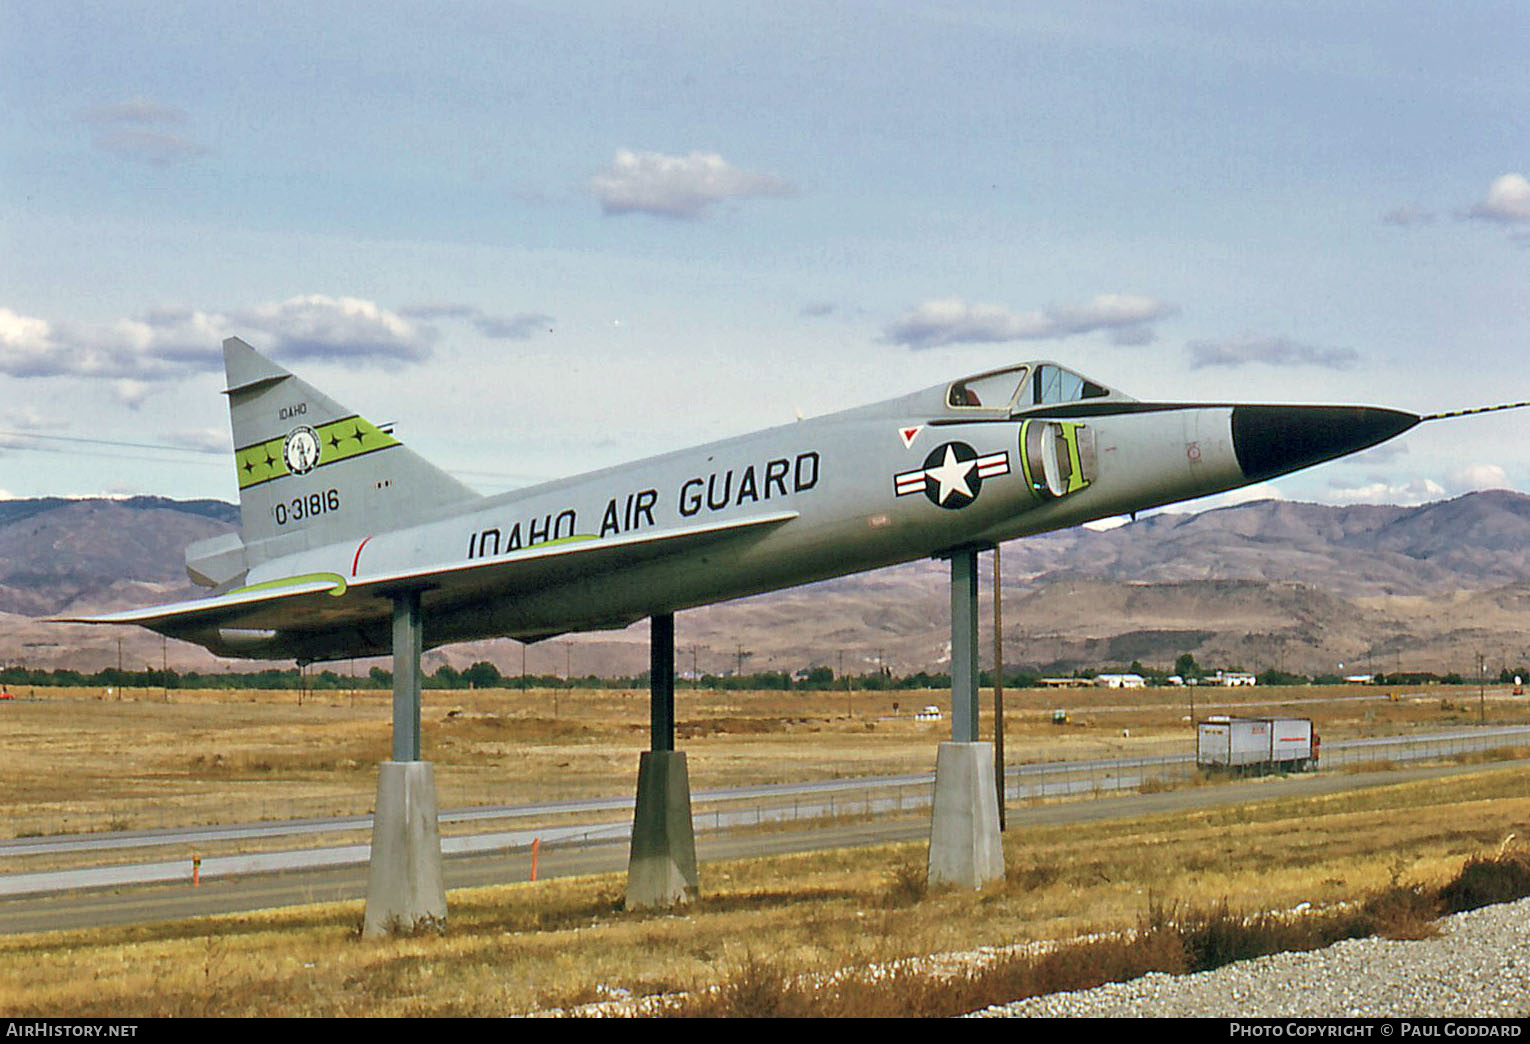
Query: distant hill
[[217, 510], [1303, 587], [1271, 583], [75, 555], [1476, 541]]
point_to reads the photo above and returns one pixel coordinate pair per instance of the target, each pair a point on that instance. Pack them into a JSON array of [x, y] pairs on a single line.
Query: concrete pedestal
[[405, 891], [661, 870], [965, 849]]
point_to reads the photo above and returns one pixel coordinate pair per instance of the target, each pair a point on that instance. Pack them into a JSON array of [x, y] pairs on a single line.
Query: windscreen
[[1053, 384], [989, 391]]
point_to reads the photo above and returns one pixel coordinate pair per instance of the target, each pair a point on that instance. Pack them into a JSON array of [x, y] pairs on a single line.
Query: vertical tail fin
[[312, 472]]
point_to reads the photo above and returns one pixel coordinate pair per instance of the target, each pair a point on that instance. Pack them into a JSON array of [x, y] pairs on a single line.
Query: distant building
[[1232, 679], [1119, 681]]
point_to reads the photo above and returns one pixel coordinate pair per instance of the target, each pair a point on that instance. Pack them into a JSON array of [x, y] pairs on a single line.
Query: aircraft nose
[[1274, 440]]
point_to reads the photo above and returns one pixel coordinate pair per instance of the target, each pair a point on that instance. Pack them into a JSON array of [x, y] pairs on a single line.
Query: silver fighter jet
[[340, 518]]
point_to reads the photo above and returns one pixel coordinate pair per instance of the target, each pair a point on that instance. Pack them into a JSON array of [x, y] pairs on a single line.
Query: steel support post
[[964, 647], [661, 682], [661, 866], [408, 641], [405, 888], [965, 849]]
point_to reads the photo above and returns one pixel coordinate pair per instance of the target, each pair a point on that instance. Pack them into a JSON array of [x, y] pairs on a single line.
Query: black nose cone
[[1274, 440]]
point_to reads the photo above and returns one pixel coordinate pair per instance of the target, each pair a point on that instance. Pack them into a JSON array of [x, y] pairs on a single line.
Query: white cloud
[[25, 350], [1385, 453], [1507, 202], [134, 130], [169, 342], [131, 393], [1274, 351], [1418, 491], [31, 347], [684, 187], [27, 418], [518, 327], [19, 330], [317, 326], [955, 321], [1479, 476], [1233, 497]]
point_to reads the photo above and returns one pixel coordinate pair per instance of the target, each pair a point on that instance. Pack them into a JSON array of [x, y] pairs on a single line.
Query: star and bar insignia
[[952, 475]]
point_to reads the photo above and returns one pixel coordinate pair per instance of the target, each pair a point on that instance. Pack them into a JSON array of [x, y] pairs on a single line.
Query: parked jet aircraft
[[339, 517]]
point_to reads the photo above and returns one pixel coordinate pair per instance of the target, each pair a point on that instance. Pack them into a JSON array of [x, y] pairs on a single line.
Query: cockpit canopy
[[1023, 387]]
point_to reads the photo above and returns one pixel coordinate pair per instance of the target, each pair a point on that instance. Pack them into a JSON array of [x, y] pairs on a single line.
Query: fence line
[[1092, 779], [1023, 783]]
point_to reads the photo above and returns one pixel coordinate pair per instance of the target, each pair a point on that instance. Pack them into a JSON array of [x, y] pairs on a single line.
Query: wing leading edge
[[325, 601]]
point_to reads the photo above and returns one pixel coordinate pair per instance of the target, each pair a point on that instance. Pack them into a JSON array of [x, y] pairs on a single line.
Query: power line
[[513, 479], [143, 457], [205, 451]]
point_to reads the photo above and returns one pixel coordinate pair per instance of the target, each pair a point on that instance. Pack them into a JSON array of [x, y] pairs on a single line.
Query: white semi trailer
[[1256, 745]]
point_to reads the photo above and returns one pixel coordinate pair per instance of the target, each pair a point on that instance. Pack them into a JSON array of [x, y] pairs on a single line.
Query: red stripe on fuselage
[[356, 562]]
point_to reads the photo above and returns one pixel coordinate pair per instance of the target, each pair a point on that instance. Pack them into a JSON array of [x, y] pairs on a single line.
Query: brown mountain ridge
[[1305, 587]]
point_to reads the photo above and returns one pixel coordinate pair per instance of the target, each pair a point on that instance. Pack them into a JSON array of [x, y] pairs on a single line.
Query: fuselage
[[342, 524], [868, 488]]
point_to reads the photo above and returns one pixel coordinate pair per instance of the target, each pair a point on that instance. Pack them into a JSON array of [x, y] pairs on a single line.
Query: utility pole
[[998, 683], [1481, 690], [849, 697]]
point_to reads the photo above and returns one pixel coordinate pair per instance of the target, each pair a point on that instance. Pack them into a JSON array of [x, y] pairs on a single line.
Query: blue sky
[[546, 237]]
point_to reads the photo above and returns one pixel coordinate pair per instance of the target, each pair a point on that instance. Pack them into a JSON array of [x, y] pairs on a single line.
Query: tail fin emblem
[[301, 450]]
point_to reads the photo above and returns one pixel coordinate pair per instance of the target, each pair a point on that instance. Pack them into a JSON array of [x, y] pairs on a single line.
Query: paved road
[[1024, 782], [150, 903], [189, 836]]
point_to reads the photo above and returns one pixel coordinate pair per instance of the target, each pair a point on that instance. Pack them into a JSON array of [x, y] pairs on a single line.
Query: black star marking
[[357, 434], [249, 465], [334, 441]]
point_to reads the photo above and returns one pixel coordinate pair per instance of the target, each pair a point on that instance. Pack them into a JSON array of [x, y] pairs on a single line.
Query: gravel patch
[[1479, 967]]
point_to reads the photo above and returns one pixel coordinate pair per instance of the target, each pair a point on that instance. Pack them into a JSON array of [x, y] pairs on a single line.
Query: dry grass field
[[564, 943], [78, 761]]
